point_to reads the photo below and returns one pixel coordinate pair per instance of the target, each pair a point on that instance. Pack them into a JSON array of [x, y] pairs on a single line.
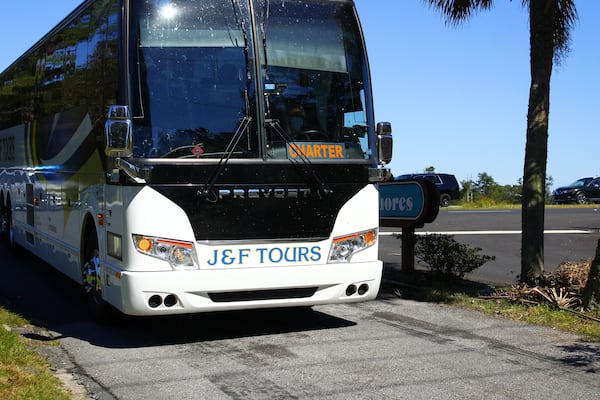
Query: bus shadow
[[53, 302], [132, 332]]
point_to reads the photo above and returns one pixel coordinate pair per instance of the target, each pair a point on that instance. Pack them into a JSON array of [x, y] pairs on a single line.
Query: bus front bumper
[[179, 292]]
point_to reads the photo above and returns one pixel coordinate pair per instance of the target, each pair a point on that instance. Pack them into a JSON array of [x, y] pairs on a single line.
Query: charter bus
[[182, 156]]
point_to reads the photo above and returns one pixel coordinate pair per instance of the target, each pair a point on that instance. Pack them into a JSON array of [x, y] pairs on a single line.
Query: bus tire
[[101, 311]]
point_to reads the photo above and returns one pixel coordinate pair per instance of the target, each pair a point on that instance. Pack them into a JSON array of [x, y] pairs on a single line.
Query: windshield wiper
[[241, 23], [235, 139], [264, 46], [301, 161], [237, 12]]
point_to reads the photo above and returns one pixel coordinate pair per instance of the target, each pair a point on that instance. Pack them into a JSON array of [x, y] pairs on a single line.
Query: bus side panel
[[50, 200], [111, 254], [55, 97], [14, 155]]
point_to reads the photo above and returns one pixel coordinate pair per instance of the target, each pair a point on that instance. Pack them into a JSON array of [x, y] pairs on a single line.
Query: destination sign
[[316, 150]]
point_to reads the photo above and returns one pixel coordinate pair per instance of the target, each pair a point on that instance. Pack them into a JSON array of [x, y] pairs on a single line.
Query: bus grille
[[252, 295]]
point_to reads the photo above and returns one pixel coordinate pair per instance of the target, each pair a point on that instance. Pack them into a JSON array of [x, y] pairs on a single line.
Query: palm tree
[[550, 26]]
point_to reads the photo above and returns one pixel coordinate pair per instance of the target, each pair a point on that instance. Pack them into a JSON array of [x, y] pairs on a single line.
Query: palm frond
[[457, 11], [565, 17], [561, 298]]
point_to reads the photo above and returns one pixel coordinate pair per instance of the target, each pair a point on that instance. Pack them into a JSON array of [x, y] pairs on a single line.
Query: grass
[[24, 373], [540, 314], [494, 205], [423, 286]]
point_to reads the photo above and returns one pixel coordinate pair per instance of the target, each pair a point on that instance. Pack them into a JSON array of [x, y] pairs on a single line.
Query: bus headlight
[[181, 255], [344, 247]]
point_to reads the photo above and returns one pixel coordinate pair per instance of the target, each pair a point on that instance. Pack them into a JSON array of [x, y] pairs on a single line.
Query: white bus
[[182, 156]]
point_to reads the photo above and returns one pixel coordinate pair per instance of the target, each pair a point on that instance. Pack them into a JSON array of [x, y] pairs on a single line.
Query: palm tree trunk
[[591, 292], [536, 147]]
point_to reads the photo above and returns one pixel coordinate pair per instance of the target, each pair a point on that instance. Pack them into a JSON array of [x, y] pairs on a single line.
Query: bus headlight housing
[[344, 247], [180, 254]]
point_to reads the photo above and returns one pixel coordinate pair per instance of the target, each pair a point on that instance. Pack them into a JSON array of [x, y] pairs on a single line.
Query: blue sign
[[401, 201]]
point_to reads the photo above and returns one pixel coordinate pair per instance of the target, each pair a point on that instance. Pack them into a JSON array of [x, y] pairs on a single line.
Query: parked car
[[446, 184], [582, 191]]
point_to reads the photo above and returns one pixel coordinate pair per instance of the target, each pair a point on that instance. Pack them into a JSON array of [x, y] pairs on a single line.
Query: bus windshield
[[193, 80], [196, 67], [316, 75]]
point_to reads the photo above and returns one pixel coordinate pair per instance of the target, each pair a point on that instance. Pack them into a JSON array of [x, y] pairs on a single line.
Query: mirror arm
[[131, 170]]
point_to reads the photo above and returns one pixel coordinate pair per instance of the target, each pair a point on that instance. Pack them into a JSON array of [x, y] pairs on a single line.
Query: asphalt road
[[385, 349], [571, 235]]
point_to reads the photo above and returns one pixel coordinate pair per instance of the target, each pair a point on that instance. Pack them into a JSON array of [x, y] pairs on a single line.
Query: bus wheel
[[92, 283]]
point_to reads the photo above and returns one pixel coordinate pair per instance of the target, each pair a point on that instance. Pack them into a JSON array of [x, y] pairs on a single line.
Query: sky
[[456, 96]]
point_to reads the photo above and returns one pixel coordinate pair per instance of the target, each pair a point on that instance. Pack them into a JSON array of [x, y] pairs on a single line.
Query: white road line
[[550, 232]]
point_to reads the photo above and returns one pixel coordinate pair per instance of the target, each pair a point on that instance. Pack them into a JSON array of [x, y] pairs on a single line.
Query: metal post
[[408, 248]]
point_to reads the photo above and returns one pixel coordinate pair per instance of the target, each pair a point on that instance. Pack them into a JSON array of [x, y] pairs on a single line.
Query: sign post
[[407, 204]]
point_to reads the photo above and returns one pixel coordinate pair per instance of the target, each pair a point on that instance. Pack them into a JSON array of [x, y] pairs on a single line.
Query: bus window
[[193, 81], [316, 64]]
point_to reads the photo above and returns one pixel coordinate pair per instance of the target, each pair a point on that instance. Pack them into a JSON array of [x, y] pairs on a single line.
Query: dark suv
[[446, 184], [582, 191]]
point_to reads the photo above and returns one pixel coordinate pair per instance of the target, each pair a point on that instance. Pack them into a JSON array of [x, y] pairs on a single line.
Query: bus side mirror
[[118, 132], [385, 142]]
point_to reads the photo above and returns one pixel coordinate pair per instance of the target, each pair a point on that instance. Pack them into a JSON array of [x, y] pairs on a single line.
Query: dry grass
[[562, 287]]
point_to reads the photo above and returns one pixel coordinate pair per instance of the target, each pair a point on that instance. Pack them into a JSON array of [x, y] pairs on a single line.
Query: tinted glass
[[581, 182], [194, 83], [193, 80], [315, 75], [63, 71]]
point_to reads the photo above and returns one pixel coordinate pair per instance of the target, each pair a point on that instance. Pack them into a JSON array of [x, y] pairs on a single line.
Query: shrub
[[445, 256]]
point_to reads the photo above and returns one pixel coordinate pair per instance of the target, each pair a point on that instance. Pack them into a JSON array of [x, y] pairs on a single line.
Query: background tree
[[550, 26], [429, 169], [549, 183], [485, 185], [466, 193], [513, 193]]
